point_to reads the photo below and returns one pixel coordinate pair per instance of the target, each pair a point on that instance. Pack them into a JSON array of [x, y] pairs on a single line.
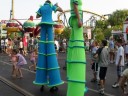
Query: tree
[[116, 20], [98, 34]]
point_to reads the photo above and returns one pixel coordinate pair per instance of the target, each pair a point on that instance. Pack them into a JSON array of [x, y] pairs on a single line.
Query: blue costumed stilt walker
[[47, 66]]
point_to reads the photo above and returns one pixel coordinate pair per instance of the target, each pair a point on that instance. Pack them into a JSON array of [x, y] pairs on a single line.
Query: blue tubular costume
[[47, 67]]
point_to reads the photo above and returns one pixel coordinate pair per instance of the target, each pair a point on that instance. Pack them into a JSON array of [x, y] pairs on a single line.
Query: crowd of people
[[19, 47], [110, 52], [24, 44]]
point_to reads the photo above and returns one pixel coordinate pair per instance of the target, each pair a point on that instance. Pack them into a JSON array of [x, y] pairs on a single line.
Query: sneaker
[[101, 91], [115, 85]]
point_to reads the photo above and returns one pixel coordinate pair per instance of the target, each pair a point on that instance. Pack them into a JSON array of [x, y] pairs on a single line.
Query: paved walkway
[[26, 85]]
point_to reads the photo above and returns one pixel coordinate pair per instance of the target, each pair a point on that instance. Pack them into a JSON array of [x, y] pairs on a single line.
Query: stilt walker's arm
[[77, 14]]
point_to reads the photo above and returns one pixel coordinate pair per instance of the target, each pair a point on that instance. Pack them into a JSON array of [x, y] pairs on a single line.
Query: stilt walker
[[47, 72], [76, 62]]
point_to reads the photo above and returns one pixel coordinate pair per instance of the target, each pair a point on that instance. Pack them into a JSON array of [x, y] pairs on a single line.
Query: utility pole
[[12, 11]]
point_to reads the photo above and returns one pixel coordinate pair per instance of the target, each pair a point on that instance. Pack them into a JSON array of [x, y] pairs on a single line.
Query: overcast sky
[[25, 8]]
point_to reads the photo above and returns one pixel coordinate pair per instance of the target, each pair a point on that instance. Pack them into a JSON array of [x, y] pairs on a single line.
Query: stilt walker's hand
[[80, 24]]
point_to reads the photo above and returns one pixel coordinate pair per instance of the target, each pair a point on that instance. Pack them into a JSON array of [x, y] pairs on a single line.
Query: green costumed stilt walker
[[76, 62]]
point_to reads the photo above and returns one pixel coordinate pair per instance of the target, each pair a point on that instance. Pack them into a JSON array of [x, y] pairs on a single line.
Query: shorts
[[120, 71], [102, 73], [19, 66], [112, 50], [95, 67]]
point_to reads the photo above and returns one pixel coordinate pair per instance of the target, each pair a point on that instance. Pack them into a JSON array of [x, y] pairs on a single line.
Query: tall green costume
[[76, 55]]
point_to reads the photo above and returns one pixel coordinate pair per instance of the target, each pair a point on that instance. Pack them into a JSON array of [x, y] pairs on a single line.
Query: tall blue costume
[[47, 67]]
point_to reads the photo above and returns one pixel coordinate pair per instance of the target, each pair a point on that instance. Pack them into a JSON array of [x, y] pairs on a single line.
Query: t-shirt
[[120, 52], [21, 59], [46, 12], [25, 42], [103, 57], [111, 44]]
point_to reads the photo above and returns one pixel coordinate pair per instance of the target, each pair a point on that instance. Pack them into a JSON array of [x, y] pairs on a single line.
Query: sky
[[24, 8]]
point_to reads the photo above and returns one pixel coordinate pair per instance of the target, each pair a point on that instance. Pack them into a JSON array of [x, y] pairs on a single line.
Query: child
[[33, 56], [14, 61], [20, 62], [94, 61]]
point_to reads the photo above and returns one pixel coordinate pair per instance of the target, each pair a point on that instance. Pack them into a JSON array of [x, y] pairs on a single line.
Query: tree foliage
[[116, 20], [98, 34], [118, 17]]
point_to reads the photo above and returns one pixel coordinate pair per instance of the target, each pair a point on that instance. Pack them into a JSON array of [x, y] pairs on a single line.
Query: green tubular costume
[[76, 62]]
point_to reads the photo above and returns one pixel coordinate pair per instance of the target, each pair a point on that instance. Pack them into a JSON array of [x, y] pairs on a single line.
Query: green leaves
[[115, 20]]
